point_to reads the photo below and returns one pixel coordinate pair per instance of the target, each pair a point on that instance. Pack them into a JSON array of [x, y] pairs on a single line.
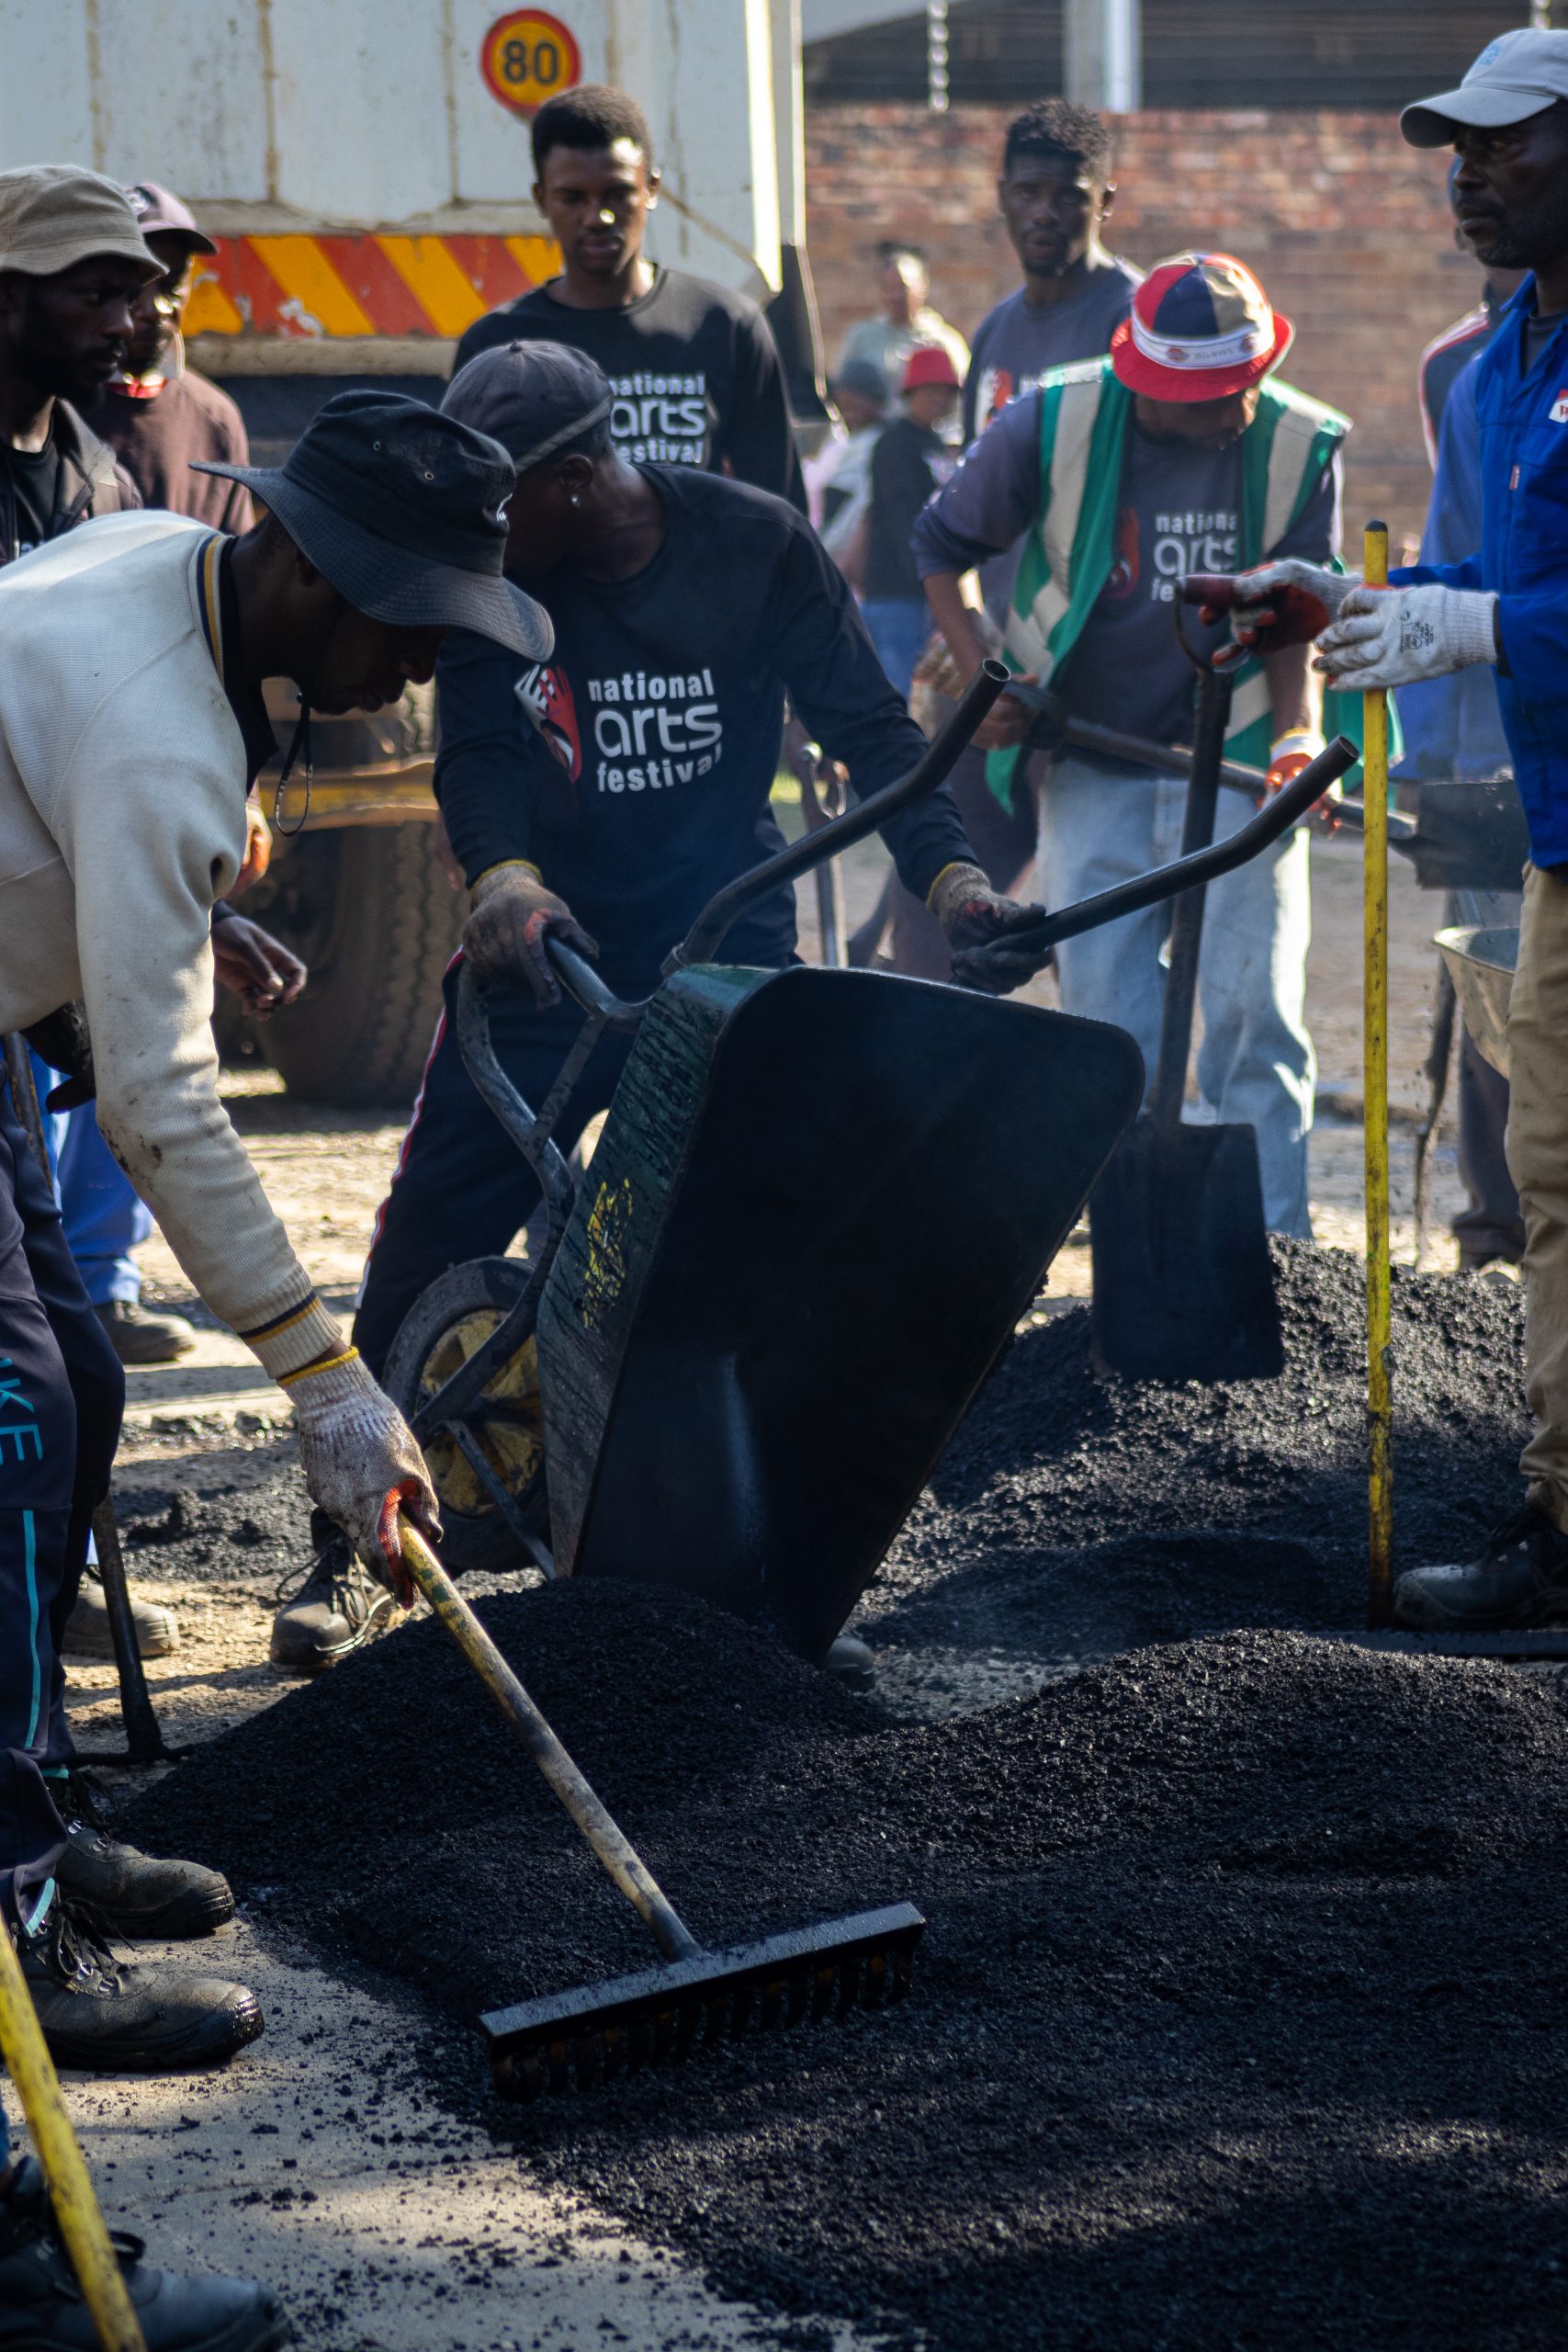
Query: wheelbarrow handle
[[1283, 809], [839, 833]]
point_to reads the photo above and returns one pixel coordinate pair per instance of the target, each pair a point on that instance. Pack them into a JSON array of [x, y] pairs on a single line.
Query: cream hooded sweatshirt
[[122, 797]]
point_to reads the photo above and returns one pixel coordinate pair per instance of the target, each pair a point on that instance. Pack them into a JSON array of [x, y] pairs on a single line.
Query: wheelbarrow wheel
[[441, 1330]]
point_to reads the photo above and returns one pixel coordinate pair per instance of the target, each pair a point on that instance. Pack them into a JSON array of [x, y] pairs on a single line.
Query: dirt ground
[[212, 1435]]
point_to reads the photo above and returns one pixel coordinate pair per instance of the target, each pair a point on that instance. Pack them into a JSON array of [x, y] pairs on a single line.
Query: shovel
[[1183, 1283]]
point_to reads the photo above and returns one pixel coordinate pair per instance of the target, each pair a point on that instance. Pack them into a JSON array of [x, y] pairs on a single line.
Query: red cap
[[928, 364], [1201, 330]]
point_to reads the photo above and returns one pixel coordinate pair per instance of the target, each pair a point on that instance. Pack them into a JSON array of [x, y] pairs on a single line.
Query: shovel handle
[[610, 1847]]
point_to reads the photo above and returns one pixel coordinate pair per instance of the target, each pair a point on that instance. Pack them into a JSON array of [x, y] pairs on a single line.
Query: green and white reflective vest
[[1069, 553]]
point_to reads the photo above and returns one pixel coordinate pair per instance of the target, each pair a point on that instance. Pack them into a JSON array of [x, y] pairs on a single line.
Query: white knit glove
[[356, 1450], [1394, 636]]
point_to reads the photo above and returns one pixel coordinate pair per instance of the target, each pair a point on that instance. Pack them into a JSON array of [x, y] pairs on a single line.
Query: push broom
[[695, 1996]]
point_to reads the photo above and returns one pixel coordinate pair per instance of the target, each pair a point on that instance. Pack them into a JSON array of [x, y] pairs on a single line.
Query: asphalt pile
[[1238, 2016], [1078, 1514]]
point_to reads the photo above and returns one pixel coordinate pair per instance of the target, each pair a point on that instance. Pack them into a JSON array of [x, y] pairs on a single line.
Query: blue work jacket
[[1523, 420]]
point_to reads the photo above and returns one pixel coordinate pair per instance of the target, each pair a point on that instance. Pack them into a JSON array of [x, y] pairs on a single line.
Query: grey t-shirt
[[1016, 346], [1178, 511]]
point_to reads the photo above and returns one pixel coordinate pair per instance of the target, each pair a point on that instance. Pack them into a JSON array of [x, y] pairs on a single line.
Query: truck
[[363, 167]]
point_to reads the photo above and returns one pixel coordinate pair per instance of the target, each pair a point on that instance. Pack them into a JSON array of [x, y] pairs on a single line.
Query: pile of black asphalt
[[1237, 2017]]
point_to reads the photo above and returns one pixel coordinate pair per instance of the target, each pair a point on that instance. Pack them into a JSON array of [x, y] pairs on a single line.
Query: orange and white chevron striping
[[314, 288]]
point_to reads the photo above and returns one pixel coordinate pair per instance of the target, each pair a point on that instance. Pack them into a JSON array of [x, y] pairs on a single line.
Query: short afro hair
[[1056, 126], [592, 115]]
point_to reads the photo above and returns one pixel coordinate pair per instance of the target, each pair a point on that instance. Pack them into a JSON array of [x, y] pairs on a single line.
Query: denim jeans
[[899, 626], [1256, 1065]]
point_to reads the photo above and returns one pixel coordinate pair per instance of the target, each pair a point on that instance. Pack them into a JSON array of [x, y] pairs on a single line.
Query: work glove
[[1292, 752], [355, 1450], [978, 921], [1272, 605], [1394, 637], [512, 916]]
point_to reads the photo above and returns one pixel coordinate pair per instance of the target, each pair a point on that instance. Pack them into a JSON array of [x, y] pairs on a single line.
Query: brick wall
[[1346, 227]]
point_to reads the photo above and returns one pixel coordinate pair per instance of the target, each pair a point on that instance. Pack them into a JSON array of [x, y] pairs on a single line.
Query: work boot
[[132, 1892], [851, 1662], [111, 2017], [140, 1337], [87, 1631], [337, 1607], [1519, 1578], [41, 2309]]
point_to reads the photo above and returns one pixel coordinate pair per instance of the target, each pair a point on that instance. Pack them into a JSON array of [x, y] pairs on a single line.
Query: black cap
[[404, 511], [535, 398]]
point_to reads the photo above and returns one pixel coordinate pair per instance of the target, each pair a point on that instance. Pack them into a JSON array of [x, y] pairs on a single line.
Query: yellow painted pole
[[28, 2064], [1374, 1092]]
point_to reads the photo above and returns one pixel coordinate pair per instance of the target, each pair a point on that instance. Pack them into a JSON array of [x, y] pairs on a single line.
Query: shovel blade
[[1183, 1282]]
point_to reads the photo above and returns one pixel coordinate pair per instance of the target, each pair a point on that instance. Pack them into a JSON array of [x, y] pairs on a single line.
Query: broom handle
[[613, 1849], [1374, 1091], [88, 2243]]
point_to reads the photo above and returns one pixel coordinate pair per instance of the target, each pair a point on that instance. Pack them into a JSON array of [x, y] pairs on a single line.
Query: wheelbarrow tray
[[821, 1200]]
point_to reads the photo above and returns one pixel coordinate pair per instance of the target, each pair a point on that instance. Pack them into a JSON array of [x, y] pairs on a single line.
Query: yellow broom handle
[[28, 2064], [1374, 1090]]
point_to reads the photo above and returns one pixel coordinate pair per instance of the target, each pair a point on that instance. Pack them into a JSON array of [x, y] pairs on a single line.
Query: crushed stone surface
[[1237, 2019]]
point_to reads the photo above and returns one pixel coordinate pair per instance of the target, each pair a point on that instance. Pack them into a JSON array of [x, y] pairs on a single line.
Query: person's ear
[[574, 475], [1001, 192], [538, 193], [652, 187], [1107, 200], [13, 297]]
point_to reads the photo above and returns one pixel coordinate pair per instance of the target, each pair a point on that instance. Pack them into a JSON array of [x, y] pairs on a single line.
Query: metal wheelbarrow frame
[[780, 1504]]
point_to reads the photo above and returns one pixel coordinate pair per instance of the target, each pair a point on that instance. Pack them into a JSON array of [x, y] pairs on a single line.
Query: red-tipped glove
[[513, 915], [1290, 754], [978, 921], [1273, 605]]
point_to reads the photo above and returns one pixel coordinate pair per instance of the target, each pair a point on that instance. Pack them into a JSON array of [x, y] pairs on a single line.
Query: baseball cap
[[1201, 329], [535, 398], [863, 378], [928, 364], [161, 214], [54, 215], [404, 511], [1516, 75]]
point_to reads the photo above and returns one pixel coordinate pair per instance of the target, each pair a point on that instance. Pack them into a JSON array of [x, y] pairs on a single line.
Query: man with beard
[[1505, 605]]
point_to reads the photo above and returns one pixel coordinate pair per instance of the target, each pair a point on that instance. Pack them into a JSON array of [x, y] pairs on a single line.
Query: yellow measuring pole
[[1374, 1091], [28, 2064]]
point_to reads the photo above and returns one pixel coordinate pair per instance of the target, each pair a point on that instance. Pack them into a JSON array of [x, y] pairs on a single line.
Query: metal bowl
[[1480, 965]]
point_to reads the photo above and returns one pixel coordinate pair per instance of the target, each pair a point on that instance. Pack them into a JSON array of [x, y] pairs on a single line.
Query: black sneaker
[[338, 1606], [41, 2308], [104, 2014], [133, 1894], [1519, 1579]]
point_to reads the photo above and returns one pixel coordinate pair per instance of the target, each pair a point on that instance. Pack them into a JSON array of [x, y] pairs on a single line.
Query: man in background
[[1055, 193], [910, 461], [905, 319], [694, 374], [837, 478]]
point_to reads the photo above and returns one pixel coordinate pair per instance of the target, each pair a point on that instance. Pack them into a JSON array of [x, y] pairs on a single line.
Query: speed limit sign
[[527, 57]]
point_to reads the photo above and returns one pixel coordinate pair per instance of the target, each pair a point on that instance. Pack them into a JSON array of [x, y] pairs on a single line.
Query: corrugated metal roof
[[1366, 55]]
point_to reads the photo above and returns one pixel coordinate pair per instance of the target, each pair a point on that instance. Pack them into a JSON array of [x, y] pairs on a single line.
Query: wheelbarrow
[[822, 1202]]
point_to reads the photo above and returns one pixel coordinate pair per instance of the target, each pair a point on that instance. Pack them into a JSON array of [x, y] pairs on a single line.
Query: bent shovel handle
[[840, 834], [1284, 809]]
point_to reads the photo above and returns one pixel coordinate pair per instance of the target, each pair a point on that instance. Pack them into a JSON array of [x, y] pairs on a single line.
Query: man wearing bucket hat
[[1122, 475], [1505, 605], [134, 651]]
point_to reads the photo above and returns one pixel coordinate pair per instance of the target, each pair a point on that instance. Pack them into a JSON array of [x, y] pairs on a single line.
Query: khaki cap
[[55, 215]]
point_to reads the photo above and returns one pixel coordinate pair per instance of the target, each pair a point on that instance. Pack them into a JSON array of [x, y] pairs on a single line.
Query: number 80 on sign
[[529, 56]]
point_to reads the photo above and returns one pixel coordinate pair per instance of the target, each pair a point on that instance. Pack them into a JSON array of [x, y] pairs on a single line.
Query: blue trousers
[[62, 1395], [104, 1220], [462, 1188], [899, 626]]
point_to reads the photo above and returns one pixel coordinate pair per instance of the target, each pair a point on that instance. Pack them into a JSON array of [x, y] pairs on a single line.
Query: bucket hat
[[54, 215], [929, 364], [1201, 329], [404, 511]]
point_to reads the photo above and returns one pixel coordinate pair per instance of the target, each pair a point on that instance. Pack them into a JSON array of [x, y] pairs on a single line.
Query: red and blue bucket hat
[[1201, 329]]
